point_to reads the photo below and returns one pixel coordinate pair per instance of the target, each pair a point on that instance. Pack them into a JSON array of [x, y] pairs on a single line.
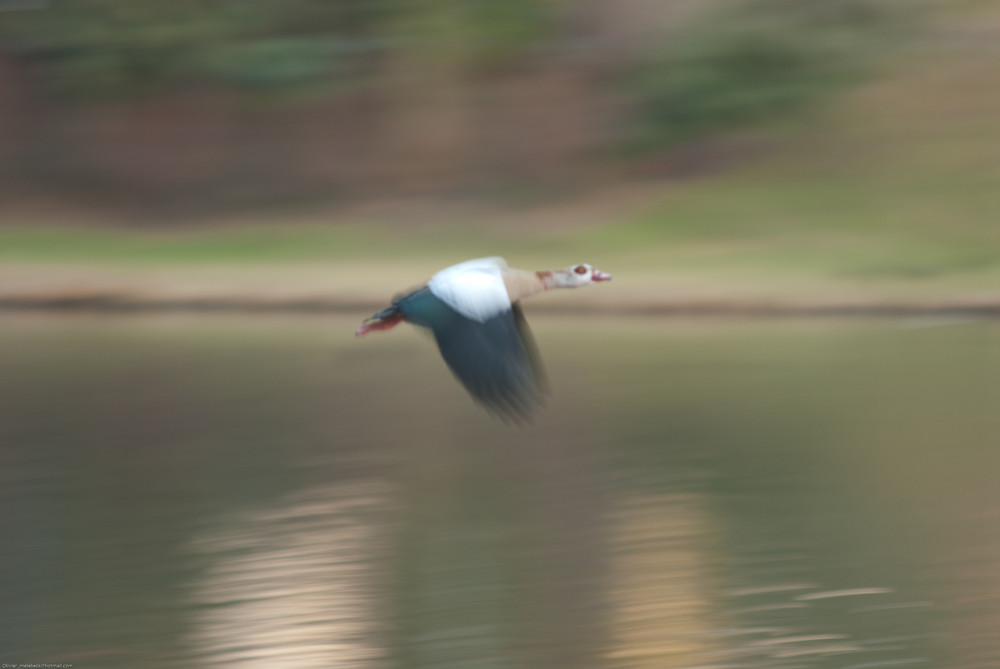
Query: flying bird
[[473, 309]]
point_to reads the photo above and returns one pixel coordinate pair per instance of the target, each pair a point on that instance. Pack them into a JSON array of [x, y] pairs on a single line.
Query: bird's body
[[473, 310]]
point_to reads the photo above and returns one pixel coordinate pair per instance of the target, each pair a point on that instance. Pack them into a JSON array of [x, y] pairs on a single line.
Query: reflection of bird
[[472, 309]]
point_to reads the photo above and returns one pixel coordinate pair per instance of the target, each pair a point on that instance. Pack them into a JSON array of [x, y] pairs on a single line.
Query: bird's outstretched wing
[[496, 359]]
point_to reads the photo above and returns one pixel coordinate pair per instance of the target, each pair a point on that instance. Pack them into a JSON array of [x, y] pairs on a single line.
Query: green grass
[[763, 217], [255, 244], [813, 229], [823, 225]]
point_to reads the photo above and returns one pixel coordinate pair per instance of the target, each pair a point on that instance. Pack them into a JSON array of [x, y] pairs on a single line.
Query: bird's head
[[578, 275]]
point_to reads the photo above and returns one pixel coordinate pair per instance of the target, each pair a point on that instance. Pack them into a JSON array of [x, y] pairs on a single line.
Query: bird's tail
[[383, 320]]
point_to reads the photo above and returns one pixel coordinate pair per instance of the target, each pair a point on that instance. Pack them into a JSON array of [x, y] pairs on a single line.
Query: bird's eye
[[580, 269]]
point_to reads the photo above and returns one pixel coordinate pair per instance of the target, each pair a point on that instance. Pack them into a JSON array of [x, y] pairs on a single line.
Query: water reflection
[[240, 493], [663, 582], [291, 585], [499, 557]]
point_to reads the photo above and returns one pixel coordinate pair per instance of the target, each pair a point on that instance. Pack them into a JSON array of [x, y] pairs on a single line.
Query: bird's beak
[[598, 275]]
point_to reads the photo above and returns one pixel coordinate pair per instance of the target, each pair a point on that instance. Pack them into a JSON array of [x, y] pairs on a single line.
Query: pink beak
[[598, 275]]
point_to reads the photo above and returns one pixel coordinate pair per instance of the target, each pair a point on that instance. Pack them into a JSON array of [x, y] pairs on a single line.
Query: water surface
[[267, 492]]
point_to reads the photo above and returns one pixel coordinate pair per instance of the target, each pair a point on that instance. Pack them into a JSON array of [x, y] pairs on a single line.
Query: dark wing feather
[[531, 348], [495, 360]]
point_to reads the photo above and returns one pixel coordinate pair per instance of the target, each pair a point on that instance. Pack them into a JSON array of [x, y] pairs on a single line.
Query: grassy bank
[[892, 190]]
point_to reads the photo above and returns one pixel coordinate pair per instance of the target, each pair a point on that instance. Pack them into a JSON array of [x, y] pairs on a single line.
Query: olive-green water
[[260, 492]]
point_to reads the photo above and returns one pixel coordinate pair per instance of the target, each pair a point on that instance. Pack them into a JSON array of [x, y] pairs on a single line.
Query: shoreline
[[755, 307]]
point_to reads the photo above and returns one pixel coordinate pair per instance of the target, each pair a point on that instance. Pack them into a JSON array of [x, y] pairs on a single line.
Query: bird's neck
[[549, 279], [546, 279], [521, 283]]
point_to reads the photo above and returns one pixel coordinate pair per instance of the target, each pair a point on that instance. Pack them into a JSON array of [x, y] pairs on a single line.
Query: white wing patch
[[474, 288]]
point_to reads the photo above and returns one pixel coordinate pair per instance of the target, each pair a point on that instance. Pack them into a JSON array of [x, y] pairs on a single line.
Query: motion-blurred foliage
[[737, 62], [748, 61], [96, 49], [158, 102], [87, 49]]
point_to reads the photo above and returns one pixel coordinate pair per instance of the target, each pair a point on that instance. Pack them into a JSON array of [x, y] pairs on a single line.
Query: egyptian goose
[[473, 310]]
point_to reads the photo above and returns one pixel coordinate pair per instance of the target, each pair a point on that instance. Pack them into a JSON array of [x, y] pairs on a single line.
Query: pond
[[209, 491]]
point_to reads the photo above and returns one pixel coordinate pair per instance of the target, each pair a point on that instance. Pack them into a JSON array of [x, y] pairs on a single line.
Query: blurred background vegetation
[[781, 143]]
